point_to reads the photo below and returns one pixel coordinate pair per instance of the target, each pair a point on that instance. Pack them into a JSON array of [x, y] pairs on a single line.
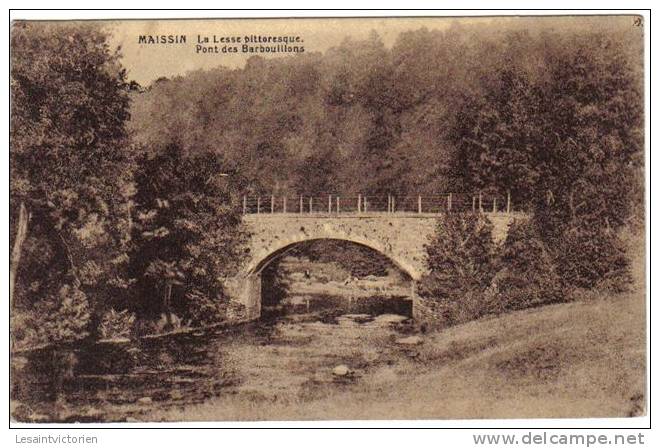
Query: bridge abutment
[[245, 296]]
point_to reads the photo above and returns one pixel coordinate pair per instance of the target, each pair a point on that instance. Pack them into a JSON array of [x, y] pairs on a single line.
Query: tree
[[187, 233], [498, 137], [594, 105], [565, 140], [70, 168]]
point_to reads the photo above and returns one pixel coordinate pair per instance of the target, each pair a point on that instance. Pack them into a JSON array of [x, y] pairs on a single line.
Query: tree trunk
[[166, 304], [21, 234]]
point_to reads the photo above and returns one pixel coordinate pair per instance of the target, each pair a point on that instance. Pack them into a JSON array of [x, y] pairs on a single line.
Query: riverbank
[[582, 359]]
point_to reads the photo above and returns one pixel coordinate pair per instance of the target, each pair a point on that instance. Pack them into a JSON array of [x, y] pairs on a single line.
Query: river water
[[289, 352]]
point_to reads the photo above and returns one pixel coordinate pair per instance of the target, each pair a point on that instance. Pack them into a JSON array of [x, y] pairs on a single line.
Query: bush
[[116, 324], [25, 330], [469, 305], [527, 276], [202, 310], [593, 258], [71, 319], [64, 316], [585, 244], [460, 261]]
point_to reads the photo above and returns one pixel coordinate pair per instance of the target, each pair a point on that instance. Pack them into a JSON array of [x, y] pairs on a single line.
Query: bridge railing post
[[479, 202]]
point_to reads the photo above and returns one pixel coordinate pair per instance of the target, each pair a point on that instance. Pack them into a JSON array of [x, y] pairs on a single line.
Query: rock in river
[[145, 400], [341, 370], [410, 340], [390, 318]]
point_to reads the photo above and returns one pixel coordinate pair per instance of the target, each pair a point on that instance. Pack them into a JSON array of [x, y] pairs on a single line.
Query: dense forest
[[425, 116], [106, 173]]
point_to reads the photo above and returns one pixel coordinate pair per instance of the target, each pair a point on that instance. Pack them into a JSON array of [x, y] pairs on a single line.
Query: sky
[[145, 62]]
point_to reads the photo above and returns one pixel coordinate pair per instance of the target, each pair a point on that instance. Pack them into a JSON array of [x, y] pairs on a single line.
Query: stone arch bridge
[[399, 236]]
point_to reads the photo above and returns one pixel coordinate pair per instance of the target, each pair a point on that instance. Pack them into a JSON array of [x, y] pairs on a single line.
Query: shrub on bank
[[71, 315], [460, 261], [471, 277], [116, 324], [526, 274], [202, 309], [64, 316], [593, 258]]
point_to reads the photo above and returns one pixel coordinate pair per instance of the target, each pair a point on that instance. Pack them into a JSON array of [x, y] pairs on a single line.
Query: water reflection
[[120, 381], [326, 304]]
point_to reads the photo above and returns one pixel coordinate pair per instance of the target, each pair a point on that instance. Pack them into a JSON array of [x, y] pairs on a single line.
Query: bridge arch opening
[[332, 276], [259, 266]]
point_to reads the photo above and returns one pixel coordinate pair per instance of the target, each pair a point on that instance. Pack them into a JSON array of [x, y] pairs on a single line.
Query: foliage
[[565, 141], [593, 258], [116, 324], [70, 167], [312, 124], [202, 309], [359, 260], [187, 233], [554, 118], [460, 258], [71, 317], [527, 276], [274, 283], [64, 316]]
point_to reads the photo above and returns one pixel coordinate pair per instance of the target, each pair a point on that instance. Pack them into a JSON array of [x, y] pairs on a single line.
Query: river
[[301, 352]]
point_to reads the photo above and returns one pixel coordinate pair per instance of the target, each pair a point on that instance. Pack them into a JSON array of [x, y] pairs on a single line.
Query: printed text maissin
[[162, 39]]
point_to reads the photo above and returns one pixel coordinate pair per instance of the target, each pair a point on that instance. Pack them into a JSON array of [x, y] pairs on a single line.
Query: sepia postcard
[[385, 218]]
